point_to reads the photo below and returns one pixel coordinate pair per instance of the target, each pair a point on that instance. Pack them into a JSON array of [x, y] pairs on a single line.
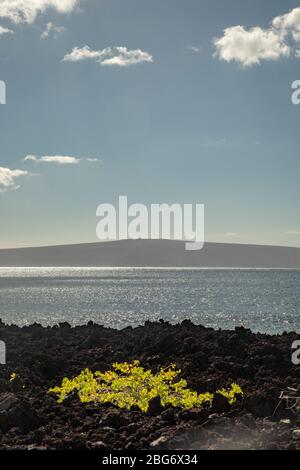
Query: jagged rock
[[220, 403], [296, 433], [17, 413], [208, 359], [99, 445], [155, 406], [36, 447], [160, 443], [114, 419]]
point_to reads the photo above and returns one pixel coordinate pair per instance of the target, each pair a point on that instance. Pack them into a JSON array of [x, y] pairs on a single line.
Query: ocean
[[267, 301]]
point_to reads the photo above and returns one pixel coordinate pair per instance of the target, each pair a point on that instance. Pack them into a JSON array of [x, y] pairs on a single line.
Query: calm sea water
[[263, 300]]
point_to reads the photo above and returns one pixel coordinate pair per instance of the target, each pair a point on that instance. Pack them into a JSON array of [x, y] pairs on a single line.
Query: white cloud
[[211, 144], [5, 30], [119, 56], [289, 21], [230, 234], [82, 53], [60, 159], [196, 49], [251, 46], [50, 28], [293, 232], [8, 178], [26, 11], [94, 160], [30, 158]]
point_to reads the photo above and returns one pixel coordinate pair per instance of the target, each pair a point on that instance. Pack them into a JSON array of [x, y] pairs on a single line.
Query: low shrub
[[129, 384]]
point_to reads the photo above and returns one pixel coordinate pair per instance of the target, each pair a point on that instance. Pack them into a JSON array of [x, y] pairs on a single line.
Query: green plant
[[129, 384], [232, 393], [13, 376]]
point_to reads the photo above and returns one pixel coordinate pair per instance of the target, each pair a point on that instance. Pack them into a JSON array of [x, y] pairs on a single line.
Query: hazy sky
[[153, 100]]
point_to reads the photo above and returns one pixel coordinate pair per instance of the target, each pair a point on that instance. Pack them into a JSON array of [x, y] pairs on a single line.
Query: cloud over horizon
[[250, 47], [119, 56], [292, 232], [59, 159], [8, 178]]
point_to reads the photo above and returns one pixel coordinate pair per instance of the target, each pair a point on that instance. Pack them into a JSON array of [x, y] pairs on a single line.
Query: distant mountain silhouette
[[153, 253]]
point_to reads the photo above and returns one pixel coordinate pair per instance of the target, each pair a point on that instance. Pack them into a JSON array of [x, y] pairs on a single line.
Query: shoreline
[[209, 359]]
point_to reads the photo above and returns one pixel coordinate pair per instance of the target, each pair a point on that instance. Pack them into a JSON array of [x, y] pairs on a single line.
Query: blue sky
[[186, 113]]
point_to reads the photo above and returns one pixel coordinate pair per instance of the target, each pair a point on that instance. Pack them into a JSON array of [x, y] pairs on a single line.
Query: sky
[[184, 101]]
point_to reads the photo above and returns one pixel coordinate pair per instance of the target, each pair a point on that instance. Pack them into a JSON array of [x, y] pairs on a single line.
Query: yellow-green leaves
[[12, 377], [129, 384], [232, 393]]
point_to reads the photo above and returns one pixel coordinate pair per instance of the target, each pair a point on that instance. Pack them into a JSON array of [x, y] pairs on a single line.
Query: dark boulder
[[16, 413]]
